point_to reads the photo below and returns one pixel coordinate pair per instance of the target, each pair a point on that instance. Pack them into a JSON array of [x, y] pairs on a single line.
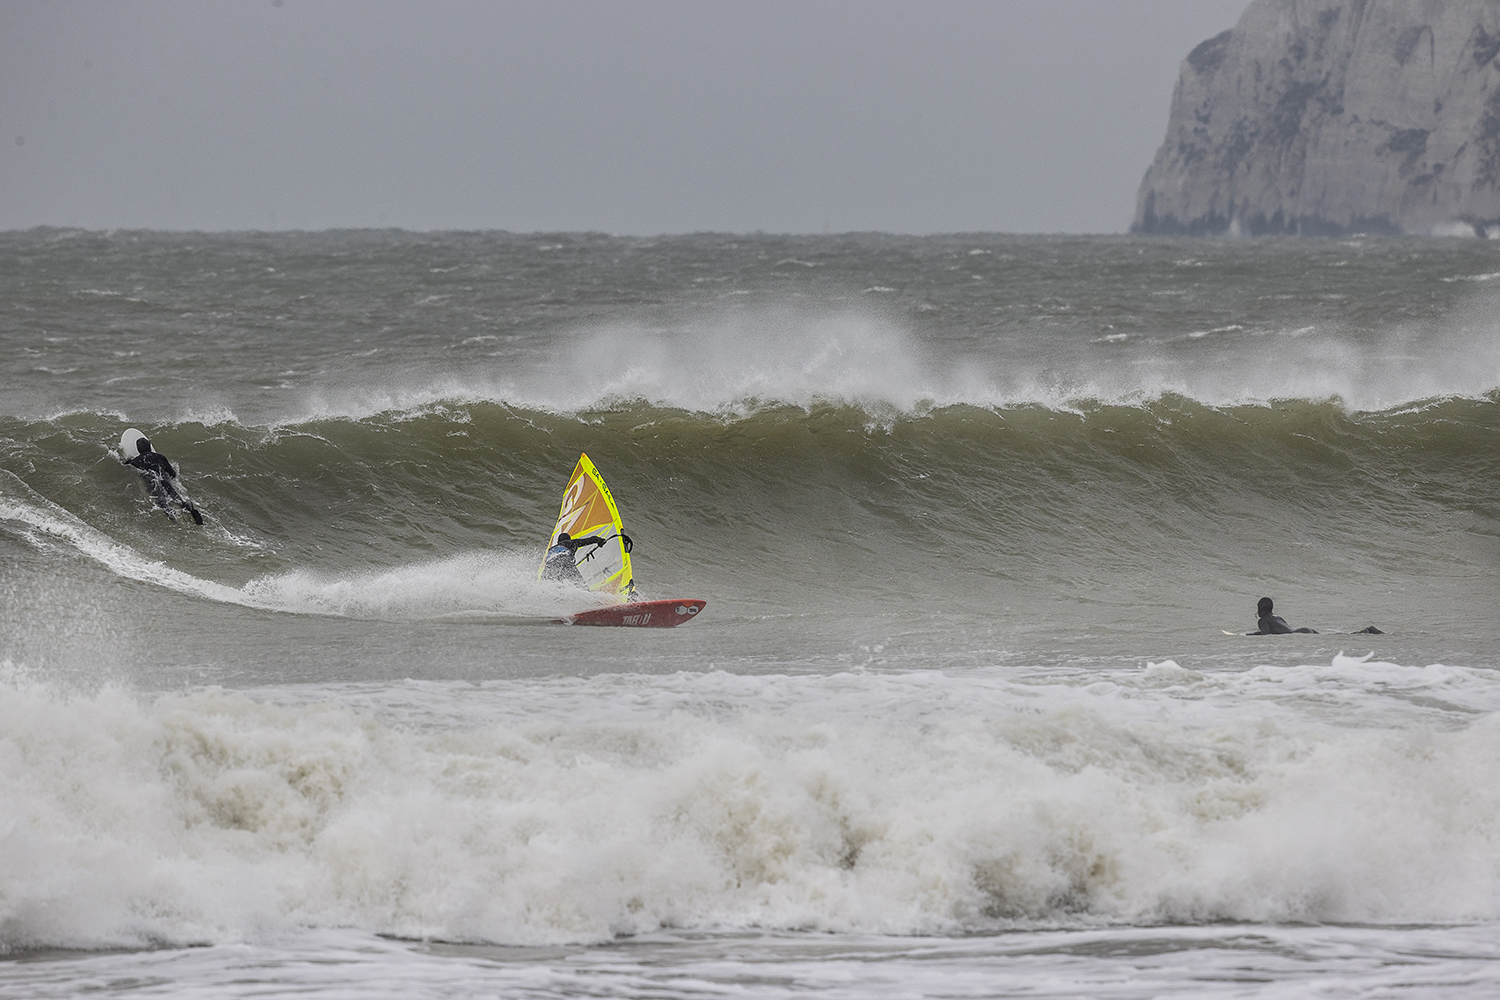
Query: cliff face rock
[[1335, 116]]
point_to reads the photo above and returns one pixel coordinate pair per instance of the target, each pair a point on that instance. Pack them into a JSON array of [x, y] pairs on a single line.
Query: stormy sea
[[981, 522]]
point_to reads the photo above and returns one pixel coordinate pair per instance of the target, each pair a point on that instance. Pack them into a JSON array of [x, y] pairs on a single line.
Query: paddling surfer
[[1272, 624], [561, 564], [1269, 624], [160, 477]]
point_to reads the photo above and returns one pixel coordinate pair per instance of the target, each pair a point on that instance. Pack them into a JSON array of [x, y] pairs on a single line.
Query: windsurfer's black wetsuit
[[157, 473], [561, 565], [1269, 624]]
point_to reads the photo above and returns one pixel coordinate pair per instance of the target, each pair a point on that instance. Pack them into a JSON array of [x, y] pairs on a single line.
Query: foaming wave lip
[[800, 356], [734, 362], [357, 403], [1364, 375], [210, 415], [713, 363], [782, 355]]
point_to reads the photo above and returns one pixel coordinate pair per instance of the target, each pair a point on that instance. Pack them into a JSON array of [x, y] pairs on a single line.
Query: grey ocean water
[[972, 514]]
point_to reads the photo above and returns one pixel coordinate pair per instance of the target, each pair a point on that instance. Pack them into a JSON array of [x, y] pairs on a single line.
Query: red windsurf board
[[641, 614]]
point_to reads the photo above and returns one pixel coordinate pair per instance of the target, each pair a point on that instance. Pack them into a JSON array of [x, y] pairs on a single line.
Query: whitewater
[[981, 520]]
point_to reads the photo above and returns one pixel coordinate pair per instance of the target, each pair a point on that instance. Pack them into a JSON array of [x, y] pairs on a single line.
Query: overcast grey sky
[[628, 117]]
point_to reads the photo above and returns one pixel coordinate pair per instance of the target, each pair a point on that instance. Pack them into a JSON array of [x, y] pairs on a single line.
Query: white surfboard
[[128, 447]]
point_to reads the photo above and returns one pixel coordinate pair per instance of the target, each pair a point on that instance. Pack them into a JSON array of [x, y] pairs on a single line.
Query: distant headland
[[1325, 117]]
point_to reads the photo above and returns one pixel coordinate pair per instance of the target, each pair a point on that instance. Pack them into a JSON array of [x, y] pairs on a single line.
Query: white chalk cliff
[[1335, 116]]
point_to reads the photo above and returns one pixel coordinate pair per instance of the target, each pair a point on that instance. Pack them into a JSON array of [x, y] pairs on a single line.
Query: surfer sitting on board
[[158, 475], [561, 564]]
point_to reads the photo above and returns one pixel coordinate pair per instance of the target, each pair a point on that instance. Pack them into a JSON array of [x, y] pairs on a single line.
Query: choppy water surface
[[972, 515]]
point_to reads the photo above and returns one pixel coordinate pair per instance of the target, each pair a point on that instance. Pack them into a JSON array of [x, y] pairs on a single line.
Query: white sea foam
[[578, 809]]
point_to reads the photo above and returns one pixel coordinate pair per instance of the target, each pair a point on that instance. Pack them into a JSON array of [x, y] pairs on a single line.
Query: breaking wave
[[580, 810]]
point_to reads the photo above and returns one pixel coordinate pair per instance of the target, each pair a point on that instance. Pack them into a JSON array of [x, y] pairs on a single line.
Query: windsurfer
[[561, 563]]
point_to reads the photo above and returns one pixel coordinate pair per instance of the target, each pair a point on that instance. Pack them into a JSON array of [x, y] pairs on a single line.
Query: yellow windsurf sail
[[588, 508]]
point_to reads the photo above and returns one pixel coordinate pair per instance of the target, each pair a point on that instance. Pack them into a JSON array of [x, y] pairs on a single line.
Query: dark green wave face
[[821, 508], [1029, 446]]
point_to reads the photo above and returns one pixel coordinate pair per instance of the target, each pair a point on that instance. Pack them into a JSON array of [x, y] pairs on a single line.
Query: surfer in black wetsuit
[[1269, 624], [158, 475], [561, 563]]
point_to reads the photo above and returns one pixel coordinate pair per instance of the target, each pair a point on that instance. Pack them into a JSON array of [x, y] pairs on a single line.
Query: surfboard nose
[[128, 447]]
